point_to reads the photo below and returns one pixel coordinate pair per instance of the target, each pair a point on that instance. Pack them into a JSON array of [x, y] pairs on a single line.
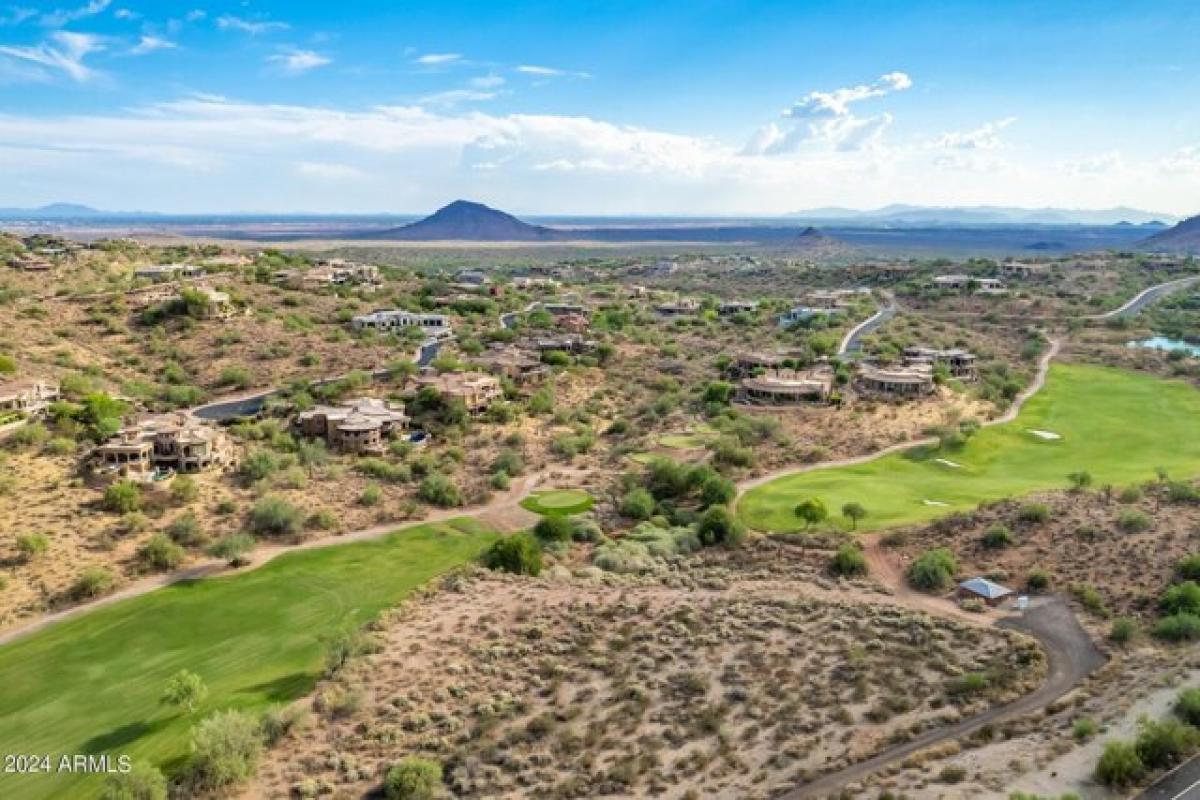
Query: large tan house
[[787, 387], [959, 362], [30, 396], [176, 441], [514, 363], [355, 426], [897, 381], [475, 389]]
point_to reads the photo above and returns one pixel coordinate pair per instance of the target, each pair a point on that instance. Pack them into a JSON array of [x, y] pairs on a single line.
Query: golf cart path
[[1071, 656], [1009, 415], [503, 510], [868, 325]]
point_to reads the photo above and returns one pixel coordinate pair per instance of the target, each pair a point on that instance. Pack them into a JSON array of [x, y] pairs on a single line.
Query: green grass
[[91, 683], [558, 502], [682, 441], [1120, 426], [642, 458]]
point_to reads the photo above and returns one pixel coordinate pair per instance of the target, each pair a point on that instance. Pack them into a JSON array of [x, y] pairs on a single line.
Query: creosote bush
[[519, 554], [933, 570]]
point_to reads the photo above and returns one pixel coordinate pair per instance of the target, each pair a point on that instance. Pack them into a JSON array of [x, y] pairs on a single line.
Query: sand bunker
[[947, 462], [934, 503], [1048, 435]]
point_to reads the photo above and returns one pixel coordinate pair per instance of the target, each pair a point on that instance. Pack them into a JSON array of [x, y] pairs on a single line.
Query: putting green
[[1119, 426], [558, 502], [91, 684]]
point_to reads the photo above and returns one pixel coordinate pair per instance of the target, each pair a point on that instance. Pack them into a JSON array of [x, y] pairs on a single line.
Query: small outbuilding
[[982, 589]]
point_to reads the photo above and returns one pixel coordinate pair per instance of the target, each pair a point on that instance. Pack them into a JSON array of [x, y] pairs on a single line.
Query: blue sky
[[616, 107]]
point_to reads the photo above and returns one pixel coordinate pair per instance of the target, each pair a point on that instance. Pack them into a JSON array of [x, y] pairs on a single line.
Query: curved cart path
[[1146, 297], [868, 326]]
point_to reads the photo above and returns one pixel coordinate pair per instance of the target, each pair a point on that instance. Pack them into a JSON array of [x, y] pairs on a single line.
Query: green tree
[[1119, 765], [717, 491], [184, 690], [853, 512], [142, 782], [413, 779], [812, 511], [933, 570], [226, 748], [553, 528], [122, 497], [849, 561], [519, 554], [718, 526]]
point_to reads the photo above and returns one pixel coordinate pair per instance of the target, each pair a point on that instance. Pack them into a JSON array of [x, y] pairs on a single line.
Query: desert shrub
[[185, 530], [160, 553], [279, 721], [1189, 568], [274, 516], [370, 496], [973, 604], [500, 481], [1187, 706], [184, 489], [439, 490], [1084, 728], [323, 519], [933, 570], [849, 561], [1034, 513], [226, 748], [142, 782], [718, 526], [413, 779], [385, 471], [93, 582], [584, 529], [1182, 597], [1182, 627], [233, 548], [1038, 581], [32, 545], [1130, 494], [122, 497], [1123, 630], [637, 504], [952, 774], [553, 529], [520, 554], [1182, 492], [1119, 765], [716, 491], [1090, 598], [257, 465], [643, 548], [510, 462], [1166, 742], [996, 537], [1131, 521], [970, 684]]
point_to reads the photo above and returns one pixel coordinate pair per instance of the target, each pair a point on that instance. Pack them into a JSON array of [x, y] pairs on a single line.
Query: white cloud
[[411, 158], [64, 52], [62, 16], [327, 171], [1185, 160], [195, 15], [18, 14], [455, 96], [985, 137], [438, 59], [250, 26], [549, 72], [1097, 165], [487, 81], [826, 118], [297, 62], [126, 14], [150, 44]]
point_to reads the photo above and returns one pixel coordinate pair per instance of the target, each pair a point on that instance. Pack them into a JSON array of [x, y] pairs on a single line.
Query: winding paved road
[[1071, 657], [1146, 297], [852, 340]]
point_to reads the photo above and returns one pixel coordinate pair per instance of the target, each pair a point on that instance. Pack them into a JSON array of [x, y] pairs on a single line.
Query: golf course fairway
[[91, 684], [1119, 426]]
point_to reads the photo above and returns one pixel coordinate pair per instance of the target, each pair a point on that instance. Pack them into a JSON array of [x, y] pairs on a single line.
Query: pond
[[1165, 343]]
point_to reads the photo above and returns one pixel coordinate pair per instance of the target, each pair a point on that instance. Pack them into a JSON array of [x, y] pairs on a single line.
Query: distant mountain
[[1183, 237], [465, 221], [985, 215], [52, 211]]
